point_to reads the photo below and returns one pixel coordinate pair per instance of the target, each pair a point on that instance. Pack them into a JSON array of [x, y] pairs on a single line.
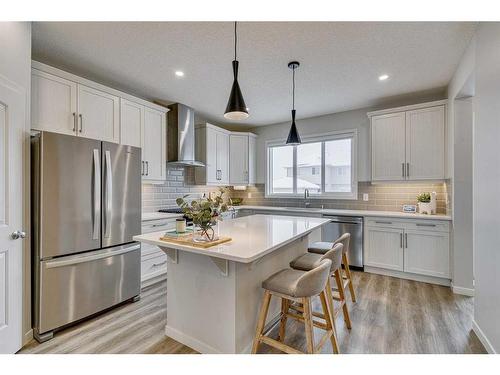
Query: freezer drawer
[[74, 287]]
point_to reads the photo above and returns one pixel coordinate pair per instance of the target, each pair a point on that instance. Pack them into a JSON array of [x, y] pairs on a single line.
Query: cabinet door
[[384, 248], [154, 152], [98, 114], [211, 157], [427, 253], [252, 160], [53, 103], [223, 157], [425, 143], [388, 147], [238, 159], [131, 122]]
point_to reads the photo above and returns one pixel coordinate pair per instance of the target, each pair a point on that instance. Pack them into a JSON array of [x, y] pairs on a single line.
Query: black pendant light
[[236, 108], [293, 136]]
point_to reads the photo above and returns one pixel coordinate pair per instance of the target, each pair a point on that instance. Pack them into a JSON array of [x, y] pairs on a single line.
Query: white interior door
[[12, 120]]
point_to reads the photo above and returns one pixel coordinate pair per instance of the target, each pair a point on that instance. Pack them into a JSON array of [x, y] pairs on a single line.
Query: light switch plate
[[365, 197]]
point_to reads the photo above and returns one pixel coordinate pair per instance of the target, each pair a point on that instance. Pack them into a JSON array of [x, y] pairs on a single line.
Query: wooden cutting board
[[188, 241]]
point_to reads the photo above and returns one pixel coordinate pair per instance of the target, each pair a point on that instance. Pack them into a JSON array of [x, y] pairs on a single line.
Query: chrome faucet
[[306, 198]]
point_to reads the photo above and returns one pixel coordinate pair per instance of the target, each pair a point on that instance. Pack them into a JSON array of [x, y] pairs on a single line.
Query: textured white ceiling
[[340, 61]]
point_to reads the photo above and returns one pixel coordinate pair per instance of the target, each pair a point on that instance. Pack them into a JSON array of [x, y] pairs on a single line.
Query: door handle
[[74, 121], [147, 168], [81, 122], [407, 169], [142, 168], [403, 170], [426, 225], [383, 222], [18, 234], [406, 240], [401, 240], [97, 195], [109, 193]]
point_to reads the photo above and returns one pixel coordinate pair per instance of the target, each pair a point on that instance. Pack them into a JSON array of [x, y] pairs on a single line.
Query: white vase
[[425, 208]]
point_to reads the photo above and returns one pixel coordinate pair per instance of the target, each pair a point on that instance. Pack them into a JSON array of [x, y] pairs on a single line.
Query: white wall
[[487, 185], [459, 169], [356, 119], [15, 64]]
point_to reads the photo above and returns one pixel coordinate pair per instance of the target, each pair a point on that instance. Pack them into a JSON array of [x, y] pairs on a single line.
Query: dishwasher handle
[[344, 219]]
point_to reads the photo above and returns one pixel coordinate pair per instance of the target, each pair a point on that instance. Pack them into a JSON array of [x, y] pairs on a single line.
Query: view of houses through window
[[323, 167]]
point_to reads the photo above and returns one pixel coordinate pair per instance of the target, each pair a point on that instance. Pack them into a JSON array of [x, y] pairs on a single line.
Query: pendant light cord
[[293, 88], [235, 39]]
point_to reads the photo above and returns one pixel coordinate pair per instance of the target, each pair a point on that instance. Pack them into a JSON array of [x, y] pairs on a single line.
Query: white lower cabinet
[[427, 253], [153, 259], [384, 248], [418, 247]]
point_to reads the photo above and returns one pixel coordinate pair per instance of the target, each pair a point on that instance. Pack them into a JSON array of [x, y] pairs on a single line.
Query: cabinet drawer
[[148, 251], [383, 222], [153, 266], [157, 225], [428, 226]]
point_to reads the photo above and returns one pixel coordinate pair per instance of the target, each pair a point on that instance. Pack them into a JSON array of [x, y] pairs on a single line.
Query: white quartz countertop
[[364, 213], [252, 236], [147, 216]]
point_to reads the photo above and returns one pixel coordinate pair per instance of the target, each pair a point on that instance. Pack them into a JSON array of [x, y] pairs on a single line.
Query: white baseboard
[[190, 341], [462, 291], [482, 337], [408, 276]]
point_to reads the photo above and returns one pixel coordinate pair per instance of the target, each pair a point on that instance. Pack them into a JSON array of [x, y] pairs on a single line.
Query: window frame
[[323, 137]]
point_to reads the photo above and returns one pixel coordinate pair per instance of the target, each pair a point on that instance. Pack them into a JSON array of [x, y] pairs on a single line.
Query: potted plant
[[424, 203], [204, 213]]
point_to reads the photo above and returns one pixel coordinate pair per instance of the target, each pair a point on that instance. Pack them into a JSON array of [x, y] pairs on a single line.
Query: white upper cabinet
[[212, 148], [408, 143], [131, 123], [388, 147], [64, 103], [53, 103], [242, 169], [425, 143], [222, 162], [98, 114], [154, 145]]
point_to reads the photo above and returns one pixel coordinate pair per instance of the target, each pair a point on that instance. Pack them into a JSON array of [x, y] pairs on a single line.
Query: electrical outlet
[[365, 197]]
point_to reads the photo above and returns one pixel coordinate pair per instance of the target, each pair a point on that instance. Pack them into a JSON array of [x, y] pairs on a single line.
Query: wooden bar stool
[[310, 260], [323, 247], [296, 286]]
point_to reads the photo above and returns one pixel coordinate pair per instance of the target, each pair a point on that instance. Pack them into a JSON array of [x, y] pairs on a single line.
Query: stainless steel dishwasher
[[340, 225]]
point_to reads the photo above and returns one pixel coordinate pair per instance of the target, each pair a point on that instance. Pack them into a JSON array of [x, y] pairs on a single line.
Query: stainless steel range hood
[[180, 136]]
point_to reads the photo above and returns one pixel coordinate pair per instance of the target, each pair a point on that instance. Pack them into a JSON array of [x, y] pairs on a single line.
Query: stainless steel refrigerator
[[86, 206]]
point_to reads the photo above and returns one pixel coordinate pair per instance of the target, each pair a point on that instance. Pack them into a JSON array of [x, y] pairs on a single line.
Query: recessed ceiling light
[[383, 77], [179, 73]]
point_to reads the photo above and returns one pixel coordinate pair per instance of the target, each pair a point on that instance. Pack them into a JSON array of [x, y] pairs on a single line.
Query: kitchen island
[[214, 294]]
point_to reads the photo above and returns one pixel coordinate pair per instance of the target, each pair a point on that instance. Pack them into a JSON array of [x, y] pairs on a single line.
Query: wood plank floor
[[391, 316]]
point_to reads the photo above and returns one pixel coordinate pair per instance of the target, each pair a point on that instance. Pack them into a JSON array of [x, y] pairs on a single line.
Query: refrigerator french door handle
[[97, 195], [109, 194], [88, 258]]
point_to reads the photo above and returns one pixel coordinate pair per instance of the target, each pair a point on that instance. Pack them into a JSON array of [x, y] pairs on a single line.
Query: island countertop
[[252, 236]]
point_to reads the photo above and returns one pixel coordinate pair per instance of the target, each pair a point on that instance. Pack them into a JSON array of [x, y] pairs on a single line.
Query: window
[[325, 165]]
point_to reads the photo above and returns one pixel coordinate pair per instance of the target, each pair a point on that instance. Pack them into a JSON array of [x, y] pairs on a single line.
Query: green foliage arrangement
[[424, 197], [204, 212]]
